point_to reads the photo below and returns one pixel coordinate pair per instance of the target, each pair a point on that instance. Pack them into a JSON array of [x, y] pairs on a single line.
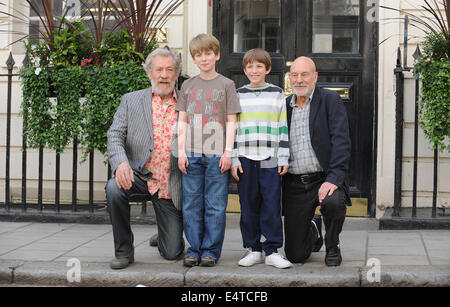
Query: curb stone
[[168, 275], [297, 276]]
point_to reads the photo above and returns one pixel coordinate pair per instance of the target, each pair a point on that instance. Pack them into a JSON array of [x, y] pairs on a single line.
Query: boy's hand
[[225, 162], [183, 162], [234, 172], [282, 170]]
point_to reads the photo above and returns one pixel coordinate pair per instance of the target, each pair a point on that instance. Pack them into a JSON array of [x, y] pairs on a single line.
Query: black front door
[[340, 39]]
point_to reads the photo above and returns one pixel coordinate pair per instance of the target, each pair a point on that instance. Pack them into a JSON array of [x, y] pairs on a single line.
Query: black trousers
[[169, 220], [299, 204]]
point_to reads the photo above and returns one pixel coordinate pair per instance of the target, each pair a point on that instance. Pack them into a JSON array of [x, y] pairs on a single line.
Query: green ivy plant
[[67, 110], [433, 69], [104, 89], [36, 107], [86, 96]]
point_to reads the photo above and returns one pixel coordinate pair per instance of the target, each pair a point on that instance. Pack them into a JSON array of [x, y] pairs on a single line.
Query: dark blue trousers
[[260, 198]]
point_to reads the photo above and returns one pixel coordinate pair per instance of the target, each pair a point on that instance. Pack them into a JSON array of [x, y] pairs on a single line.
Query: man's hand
[[234, 172], [282, 170], [183, 162], [124, 176], [225, 162], [326, 189]]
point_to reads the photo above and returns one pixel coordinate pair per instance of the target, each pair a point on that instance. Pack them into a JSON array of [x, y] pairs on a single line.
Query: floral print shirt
[[164, 119]]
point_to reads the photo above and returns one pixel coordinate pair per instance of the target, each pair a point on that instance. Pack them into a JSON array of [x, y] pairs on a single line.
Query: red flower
[[89, 60], [83, 63]]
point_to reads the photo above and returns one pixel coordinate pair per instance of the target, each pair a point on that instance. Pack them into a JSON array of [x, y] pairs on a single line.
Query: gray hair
[[164, 52]]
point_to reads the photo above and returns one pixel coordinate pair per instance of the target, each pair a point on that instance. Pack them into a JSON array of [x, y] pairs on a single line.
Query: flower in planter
[[37, 71], [85, 62]]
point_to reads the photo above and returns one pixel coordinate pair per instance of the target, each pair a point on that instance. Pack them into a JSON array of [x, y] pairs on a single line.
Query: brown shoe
[[190, 261], [208, 261]]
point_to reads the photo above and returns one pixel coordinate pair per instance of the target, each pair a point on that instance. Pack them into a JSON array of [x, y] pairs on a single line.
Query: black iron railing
[[399, 120]]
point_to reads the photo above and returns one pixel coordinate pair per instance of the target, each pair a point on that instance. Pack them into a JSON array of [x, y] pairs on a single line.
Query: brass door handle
[[287, 85], [287, 82]]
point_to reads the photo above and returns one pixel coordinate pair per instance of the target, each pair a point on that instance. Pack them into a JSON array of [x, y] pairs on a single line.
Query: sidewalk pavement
[[47, 255]]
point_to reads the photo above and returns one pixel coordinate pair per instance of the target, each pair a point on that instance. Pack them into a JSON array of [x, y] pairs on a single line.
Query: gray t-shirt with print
[[207, 104]]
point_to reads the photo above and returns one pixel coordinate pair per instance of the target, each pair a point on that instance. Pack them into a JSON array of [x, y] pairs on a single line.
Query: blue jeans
[[205, 197]]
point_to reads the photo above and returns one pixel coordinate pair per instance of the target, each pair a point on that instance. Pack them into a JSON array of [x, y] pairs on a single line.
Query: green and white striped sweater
[[262, 130]]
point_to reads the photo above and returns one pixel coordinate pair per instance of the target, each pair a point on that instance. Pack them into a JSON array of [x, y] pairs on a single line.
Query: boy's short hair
[[259, 55], [204, 42]]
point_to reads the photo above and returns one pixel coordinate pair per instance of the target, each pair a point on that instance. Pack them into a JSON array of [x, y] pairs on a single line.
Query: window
[[257, 25], [74, 10], [335, 26], [35, 26]]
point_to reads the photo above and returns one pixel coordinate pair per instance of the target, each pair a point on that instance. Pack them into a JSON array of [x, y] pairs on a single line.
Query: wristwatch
[[228, 149]]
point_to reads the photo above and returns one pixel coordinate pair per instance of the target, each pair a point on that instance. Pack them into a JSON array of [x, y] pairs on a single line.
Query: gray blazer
[[130, 138]]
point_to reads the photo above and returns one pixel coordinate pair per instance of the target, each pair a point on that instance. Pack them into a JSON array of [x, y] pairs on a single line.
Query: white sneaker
[[278, 261], [251, 258]]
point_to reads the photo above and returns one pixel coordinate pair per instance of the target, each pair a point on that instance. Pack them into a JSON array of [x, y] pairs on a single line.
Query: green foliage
[[436, 46], [433, 68], [56, 124], [72, 44], [38, 53], [69, 61], [118, 47], [36, 107], [104, 89], [67, 110]]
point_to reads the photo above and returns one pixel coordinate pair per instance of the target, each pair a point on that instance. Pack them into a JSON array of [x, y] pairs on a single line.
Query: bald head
[[305, 62], [303, 77]]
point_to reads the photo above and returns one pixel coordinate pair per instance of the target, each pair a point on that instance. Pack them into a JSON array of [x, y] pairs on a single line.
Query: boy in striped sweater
[[260, 158]]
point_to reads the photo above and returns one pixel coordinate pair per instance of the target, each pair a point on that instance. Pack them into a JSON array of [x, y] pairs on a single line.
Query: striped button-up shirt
[[302, 158]]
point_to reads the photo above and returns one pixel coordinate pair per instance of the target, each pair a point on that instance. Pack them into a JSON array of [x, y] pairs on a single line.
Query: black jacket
[[330, 137]]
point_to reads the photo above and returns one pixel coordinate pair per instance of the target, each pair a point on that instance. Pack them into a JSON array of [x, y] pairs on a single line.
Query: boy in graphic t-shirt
[[207, 107]]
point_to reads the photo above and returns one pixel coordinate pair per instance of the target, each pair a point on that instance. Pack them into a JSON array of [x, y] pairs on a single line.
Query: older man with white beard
[[318, 167], [144, 161]]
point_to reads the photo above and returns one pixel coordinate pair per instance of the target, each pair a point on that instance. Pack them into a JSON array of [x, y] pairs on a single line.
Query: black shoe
[[208, 261], [121, 263], [190, 261], [317, 226], [333, 256], [154, 240]]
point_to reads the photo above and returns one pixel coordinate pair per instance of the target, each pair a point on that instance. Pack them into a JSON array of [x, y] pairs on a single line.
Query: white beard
[[159, 91]]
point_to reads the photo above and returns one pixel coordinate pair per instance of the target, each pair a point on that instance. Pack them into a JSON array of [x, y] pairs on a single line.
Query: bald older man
[[318, 167]]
